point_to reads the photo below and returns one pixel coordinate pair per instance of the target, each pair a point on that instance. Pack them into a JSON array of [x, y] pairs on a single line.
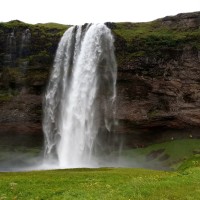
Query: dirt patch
[[154, 154], [164, 157]]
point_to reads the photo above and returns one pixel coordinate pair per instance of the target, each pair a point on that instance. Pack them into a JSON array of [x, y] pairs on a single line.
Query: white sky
[[82, 11]]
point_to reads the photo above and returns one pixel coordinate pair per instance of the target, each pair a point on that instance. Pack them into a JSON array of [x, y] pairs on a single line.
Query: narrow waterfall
[[25, 49], [11, 50], [25, 43], [79, 104]]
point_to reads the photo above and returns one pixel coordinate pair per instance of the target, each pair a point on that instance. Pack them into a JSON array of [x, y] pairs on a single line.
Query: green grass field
[[139, 184], [114, 183]]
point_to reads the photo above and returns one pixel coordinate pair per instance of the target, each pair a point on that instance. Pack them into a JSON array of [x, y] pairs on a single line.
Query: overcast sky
[[82, 11]]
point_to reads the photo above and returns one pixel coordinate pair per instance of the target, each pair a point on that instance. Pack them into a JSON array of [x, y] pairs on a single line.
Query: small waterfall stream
[[25, 49], [11, 50], [79, 104], [25, 43]]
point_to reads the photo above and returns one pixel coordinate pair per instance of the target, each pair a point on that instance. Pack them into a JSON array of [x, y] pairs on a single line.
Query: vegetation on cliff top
[[156, 40], [44, 41]]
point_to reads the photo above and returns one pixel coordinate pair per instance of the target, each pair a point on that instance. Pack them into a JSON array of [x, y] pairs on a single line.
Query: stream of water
[[79, 105]]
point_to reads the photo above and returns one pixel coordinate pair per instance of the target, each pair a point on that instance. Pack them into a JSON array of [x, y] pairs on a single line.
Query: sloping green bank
[[167, 155]]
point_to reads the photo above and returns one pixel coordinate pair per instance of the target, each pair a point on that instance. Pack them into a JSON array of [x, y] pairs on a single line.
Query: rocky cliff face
[[26, 56], [158, 77]]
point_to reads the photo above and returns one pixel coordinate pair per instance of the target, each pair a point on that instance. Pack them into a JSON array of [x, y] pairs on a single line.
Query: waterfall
[[25, 43], [79, 104], [11, 50], [25, 49], [18, 49]]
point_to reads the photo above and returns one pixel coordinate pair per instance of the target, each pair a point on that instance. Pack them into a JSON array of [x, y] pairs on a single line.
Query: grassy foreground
[[104, 183]]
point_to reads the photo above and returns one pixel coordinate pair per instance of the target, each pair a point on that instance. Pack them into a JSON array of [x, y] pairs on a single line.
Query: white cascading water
[[11, 50], [80, 98], [25, 43], [25, 49]]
